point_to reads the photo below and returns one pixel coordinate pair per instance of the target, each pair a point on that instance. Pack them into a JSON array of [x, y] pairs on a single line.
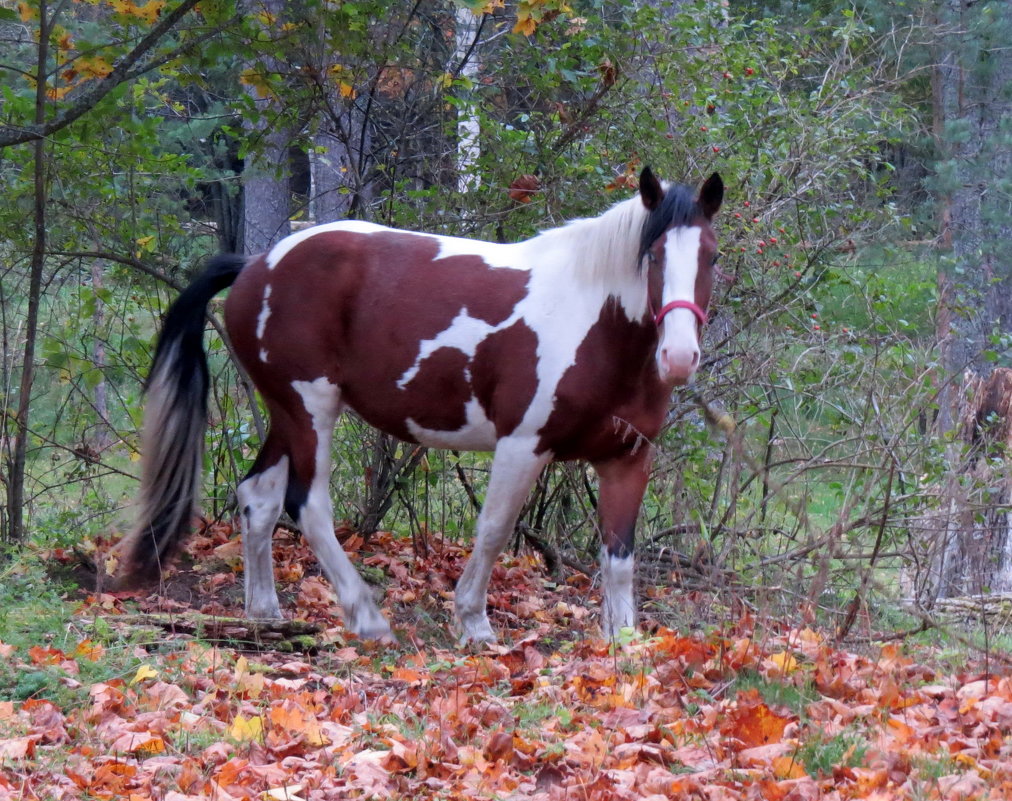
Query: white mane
[[604, 248]]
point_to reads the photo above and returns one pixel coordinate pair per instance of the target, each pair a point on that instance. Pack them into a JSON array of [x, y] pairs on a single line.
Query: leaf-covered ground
[[733, 713]]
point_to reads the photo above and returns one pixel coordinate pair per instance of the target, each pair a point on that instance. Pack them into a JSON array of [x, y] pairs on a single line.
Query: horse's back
[[414, 329]]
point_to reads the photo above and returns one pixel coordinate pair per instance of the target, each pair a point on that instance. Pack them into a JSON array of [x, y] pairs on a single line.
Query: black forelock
[[677, 207]]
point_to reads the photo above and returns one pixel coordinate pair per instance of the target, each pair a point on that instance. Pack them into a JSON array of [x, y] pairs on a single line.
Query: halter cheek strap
[[680, 304]]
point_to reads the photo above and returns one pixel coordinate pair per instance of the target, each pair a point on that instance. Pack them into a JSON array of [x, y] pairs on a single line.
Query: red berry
[[727, 75], [845, 330], [759, 251], [749, 71], [747, 204], [703, 128], [762, 244], [816, 328], [716, 149], [773, 240], [776, 264], [755, 219], [797, 274], [736, 214], [815, 316]]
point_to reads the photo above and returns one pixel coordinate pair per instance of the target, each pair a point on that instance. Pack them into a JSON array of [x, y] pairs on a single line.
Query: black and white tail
[[175, 418]]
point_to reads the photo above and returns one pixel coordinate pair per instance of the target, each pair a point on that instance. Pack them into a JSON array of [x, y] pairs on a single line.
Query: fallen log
[[280, 635]]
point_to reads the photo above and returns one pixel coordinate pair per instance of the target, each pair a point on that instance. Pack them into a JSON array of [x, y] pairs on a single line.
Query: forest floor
[[126, 697]]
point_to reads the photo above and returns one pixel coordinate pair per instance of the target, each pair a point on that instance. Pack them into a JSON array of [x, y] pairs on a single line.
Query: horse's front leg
[[621, 482], [515, 468]]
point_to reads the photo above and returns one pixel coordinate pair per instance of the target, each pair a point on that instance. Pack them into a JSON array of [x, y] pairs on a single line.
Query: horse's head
[[681, 249]]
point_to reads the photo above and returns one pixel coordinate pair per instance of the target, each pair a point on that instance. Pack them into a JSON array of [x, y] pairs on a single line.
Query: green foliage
[[822, 348]]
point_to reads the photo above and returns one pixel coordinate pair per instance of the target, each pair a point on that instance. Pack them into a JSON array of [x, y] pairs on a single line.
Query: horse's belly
[[478, 434]]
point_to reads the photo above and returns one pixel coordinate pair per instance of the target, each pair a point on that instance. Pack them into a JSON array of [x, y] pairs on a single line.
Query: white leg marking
[[316, 519], [618, 607], [515, 467], [260, 500]]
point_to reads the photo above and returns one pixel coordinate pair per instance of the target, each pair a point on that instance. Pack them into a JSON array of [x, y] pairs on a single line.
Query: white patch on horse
[[282, 248], [477, 434], [464, 334], [265, 312], [494, 254], [682, 263], [618, 606]]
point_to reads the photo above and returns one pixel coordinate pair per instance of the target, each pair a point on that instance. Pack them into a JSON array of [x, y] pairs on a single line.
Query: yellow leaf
[[525, 25], [785, 662], [247, 730], [151, 11], [124, 7], [787, 767], [94, 67], [87, 649], [258, 81], [145, 241], [288, 792], [347, 90], [143, 672], [28, 12]]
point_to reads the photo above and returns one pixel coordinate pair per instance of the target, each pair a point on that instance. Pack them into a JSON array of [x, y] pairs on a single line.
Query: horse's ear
[[710, 195], [650, 189]]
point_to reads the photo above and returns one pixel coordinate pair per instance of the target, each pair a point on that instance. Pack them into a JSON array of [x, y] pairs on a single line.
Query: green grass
[[36, 612], [776, 692]]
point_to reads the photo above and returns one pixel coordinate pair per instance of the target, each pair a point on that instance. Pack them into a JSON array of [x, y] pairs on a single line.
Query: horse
[[564, 346]]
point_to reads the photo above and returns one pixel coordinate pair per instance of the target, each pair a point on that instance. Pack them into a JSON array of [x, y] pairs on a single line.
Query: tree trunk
[[16, 479], [467, 31], [339, 164], [969, 550], [267, 201], [102, 435]]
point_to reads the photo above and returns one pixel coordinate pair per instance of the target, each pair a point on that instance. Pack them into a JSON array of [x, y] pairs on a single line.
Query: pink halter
[[680, 304]]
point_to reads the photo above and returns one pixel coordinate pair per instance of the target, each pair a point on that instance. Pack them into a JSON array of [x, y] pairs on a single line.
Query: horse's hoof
[[477, 634], [371, 625]]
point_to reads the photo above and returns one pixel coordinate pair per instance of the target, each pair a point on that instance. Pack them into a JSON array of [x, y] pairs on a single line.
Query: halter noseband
[[680, 304], [675, 304]]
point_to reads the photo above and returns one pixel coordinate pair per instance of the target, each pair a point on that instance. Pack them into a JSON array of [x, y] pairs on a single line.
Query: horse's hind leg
[[309, 503], [261, 496], [515, 468]]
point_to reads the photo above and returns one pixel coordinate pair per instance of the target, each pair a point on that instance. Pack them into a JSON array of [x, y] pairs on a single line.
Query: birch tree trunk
[[467, 30]]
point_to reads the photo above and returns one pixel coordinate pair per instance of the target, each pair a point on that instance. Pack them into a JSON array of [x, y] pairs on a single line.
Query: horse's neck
[[591, 259]]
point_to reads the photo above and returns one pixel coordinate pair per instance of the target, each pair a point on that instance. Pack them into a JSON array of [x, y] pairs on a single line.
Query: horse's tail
[[175, 418]]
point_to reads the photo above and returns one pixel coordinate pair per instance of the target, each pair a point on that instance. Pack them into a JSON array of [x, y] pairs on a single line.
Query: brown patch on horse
[[439, 391], [331, 303], [611, 401], [504, 374]]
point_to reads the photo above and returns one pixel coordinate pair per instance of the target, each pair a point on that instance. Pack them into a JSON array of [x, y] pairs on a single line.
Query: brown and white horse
[[565, 346]]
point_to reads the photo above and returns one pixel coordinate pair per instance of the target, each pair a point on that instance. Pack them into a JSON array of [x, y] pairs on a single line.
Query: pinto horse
[[565, 346]]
